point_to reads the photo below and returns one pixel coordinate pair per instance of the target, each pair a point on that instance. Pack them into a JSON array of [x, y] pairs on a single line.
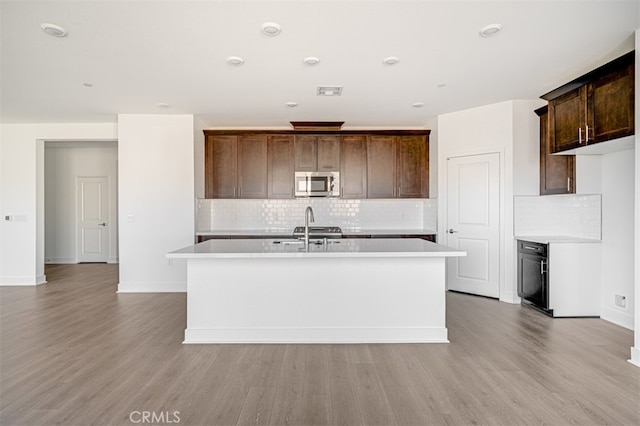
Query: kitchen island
[[338, 291]]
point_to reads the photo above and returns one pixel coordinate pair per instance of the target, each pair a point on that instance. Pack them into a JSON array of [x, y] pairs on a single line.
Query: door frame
[[502, 226]]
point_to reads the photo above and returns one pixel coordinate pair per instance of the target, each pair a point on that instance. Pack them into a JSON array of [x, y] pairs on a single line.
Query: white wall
[[511, 129], [432, 124], [22, 193], [635, 350], [156, 200], [617, 236], [63, 163]]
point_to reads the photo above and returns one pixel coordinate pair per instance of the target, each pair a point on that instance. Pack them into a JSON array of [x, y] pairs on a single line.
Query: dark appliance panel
[[533, 274]]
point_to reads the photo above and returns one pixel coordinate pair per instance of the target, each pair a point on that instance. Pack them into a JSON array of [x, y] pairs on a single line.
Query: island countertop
[[289, 248]]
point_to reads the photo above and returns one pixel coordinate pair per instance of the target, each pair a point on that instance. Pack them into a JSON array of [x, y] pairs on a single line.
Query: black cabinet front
[[533, 274]]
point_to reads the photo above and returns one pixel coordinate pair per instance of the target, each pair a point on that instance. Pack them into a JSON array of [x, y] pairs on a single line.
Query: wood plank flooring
[[73, 352]]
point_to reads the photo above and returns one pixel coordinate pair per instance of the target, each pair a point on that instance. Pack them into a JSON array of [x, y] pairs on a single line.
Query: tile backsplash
[[566, 215], [212, 214]]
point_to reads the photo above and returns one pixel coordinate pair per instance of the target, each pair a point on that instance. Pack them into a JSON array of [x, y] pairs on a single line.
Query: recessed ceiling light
[[163, 105], [54, 30], [292, 104], [235, 60], [418, 104], [271, 28], [489, 30], [311, 60], [391, 60]]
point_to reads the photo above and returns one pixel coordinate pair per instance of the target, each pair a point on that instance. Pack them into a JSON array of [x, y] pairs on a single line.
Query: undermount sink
[[288, 242], [319, 231], [314, 241]]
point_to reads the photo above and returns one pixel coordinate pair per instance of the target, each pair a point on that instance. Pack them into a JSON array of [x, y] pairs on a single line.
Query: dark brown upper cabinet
[[398, 167], [353, 166], [381, 170], [252, 166], [317, 153], [261, 163], [557, 172], [596, 107], [221, 166], [236, 166], [280, 166], [413, 166]]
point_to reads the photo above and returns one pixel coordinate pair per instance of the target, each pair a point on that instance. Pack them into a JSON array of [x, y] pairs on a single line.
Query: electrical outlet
[[621, 301]]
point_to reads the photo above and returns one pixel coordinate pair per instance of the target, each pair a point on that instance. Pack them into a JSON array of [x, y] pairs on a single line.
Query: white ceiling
[[137, 54]]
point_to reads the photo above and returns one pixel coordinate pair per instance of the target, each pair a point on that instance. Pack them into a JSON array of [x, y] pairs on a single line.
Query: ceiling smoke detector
[[329, 91], [54, 30], [271, 28]]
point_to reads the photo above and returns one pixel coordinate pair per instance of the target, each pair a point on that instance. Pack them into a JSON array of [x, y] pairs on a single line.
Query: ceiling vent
[[329, 90]]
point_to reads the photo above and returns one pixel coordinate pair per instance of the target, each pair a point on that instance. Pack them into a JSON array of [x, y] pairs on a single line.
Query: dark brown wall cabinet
[[597, 107], [557, 172], [353, 166], [261, 163], [236, 166], [221, 166], [280, 166], [317, 153], [398, 167]]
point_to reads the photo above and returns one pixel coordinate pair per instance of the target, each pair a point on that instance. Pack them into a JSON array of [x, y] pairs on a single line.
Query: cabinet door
[[611, 106], [353, 167], [413, 167], [306, 153], [220, 167], [328, 153], [280, 166], [567, 115], [381, 167], [252, 166], [557, 172]]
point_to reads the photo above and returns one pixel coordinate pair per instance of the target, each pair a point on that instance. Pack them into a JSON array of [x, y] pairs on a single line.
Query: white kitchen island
[[346, 291]]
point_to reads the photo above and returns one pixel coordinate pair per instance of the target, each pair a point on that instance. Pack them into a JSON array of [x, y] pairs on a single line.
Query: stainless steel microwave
[[317, 184]]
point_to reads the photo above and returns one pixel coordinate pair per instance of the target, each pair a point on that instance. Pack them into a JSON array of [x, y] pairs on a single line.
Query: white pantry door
[[473, 223], [92, 204]]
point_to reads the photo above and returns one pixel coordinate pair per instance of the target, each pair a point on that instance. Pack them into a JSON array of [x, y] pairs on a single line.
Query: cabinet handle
[[586, 135], [580, 135], [568, 184], [542, 271]]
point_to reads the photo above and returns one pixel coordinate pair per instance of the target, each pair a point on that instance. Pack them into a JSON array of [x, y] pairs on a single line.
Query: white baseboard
[[616, 316], [635, 356], [152, 287], [112, 260], [318, 335], [60, 261], [23, 281], [509, 297]]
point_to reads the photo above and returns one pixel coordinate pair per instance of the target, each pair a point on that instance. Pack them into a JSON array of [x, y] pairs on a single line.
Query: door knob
[[451, 231], [102, 224]]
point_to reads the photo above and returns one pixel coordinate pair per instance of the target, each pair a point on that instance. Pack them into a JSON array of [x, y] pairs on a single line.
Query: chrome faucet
[[308, 217]]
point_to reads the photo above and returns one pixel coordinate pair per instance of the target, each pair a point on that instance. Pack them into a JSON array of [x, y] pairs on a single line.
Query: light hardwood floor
[[73, 352]]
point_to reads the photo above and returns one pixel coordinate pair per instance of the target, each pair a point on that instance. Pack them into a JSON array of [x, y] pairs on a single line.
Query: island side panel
[[316, 300]]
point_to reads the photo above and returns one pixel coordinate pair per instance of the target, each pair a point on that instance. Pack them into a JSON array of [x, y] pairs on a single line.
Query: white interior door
[[92, 204], [473, 223]]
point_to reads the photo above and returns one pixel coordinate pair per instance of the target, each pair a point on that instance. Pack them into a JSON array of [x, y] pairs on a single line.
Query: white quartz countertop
[[560, 239], [284, 232], [339, 248]]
